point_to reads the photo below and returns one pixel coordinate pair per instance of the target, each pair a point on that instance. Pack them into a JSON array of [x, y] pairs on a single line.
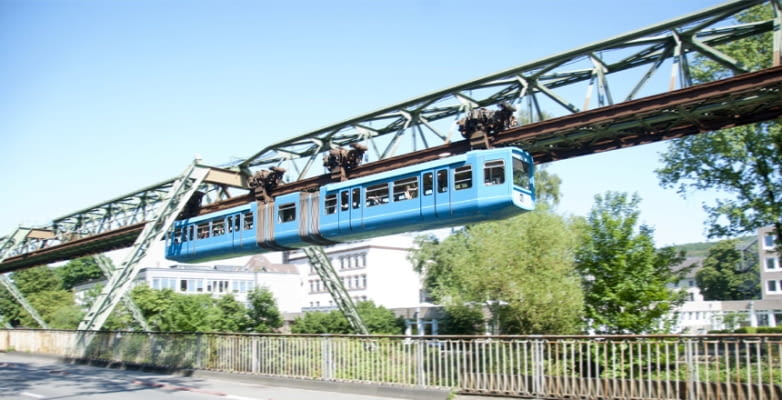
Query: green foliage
[[321, 323], [38, 279], [729, 274], [56, 307], [378, 320], [42, 287], [547, 186], [78, 271], [462, 319], [625, 277], [231, 315], [743, 163], [169, 311], [263, 314], [501, 265]]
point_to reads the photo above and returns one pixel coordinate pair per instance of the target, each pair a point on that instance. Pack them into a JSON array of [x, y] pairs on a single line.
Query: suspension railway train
[[455, 190]]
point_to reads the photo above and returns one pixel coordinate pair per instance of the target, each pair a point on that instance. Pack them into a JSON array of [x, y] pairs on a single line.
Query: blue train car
[[477, 186]]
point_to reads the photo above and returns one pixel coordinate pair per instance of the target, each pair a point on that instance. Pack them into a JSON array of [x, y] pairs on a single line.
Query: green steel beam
[[6, 282], [135, 312], [121, 280], [321, 263], [633, 61]]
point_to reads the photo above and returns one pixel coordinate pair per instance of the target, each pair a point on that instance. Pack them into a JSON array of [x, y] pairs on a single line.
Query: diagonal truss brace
[[322, 265], [108, 271], [121, 280], [6, 282]]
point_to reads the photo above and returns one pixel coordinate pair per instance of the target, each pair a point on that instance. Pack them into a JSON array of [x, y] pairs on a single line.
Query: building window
[[771, 285], [691, 283], [771, 263], [768, 240]]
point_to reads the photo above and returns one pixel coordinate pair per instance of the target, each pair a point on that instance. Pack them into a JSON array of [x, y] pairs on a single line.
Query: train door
[[356, 208], [442, 194], [235, 230], [427, 195], [189, 247], [344, 210]]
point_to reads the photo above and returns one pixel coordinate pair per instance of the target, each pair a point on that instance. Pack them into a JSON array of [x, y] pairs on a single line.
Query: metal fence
[[588, 367]]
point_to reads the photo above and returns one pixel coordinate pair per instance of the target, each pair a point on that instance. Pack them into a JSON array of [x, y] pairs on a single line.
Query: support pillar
[[153, 232]]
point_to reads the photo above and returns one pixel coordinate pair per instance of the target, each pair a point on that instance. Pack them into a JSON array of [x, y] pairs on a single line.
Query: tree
[[321, 323], [78, 271], [168, 311], [729, 274], [743, 163], [625, 278], [262, 313], [231, 315], [462, 319], [501, 265], [42, 288], [378, 320]]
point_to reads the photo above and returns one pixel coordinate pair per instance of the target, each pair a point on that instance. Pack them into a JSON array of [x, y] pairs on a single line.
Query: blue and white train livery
[[456, 190]]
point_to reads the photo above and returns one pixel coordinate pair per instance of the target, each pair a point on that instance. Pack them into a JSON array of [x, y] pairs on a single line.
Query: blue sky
[[101, 98]]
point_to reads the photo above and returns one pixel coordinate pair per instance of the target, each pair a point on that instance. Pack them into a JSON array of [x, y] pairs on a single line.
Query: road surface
[[27, 377]]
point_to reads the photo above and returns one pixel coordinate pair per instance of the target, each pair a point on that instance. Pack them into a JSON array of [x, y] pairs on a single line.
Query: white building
[[376, 269], [283, 280], [699, 316]]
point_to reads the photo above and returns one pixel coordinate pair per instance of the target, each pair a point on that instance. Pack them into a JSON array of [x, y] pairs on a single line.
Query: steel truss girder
[[118, 222], [641, 53], [6, 282], [120, 282], [321, 263], [540, 83], [135, 312]]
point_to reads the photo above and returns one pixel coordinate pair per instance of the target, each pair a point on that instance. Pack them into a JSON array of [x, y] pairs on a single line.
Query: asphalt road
[[29, 377]]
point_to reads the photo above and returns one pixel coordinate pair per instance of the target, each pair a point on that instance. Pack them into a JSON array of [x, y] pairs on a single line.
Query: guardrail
[[589, 367]]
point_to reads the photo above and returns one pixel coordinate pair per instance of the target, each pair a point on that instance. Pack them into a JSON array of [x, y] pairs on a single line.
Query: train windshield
[[521, 170]]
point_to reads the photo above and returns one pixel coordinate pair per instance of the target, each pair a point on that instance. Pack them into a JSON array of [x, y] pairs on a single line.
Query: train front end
[[523, 170]]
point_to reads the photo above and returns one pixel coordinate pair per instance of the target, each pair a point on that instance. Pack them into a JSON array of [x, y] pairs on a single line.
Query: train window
[[356, 197], [287, 212], [377, 194], [203, 230], [442, 181], [462, 177], [494, 172], [344, 200], [190, 229], [406, 189], [331, 203], [218, 227], [248, 221], [428, 183], [520, 173], [177, 235], [235, 225]]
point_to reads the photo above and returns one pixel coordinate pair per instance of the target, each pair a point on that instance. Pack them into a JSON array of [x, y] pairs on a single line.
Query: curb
[[400, 392]]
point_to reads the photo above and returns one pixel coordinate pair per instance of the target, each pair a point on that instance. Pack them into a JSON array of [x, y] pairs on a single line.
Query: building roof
[[691, 264], [259, 263]]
